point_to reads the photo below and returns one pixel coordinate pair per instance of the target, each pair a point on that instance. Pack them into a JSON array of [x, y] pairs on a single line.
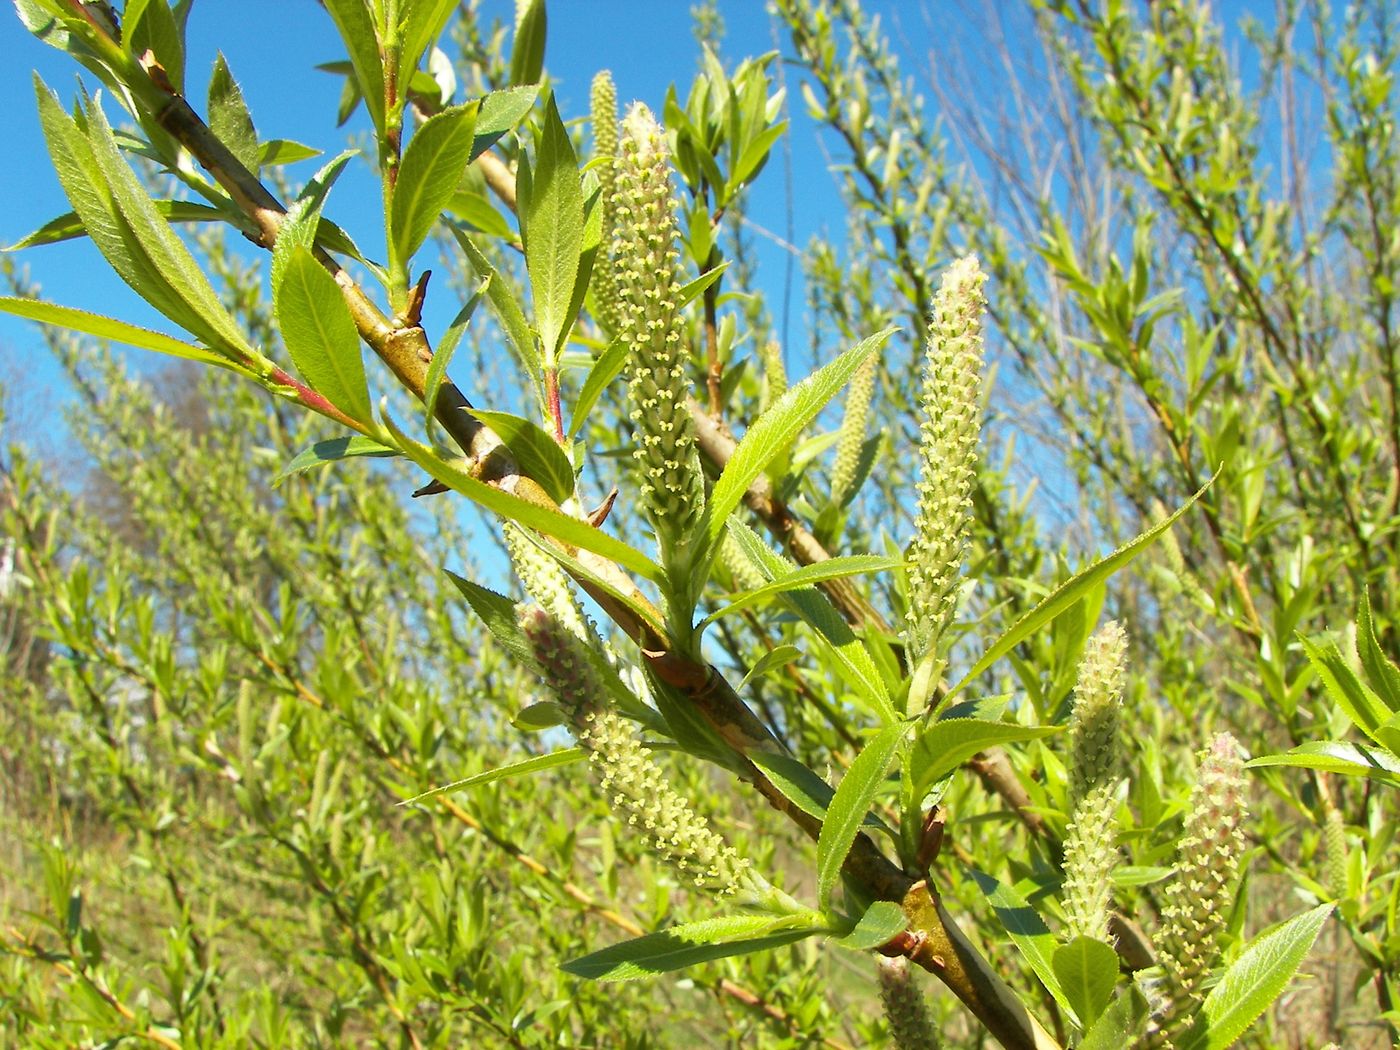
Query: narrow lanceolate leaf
[[807, 576], [127, 228], [276, 152], [553, 760], [770, 661], [551, 522], [500, 112], [1027, 931], [1381, 671], [853, 663], [508, 311], [357, 32], [67, 226], [108, 328], [804, 788], [1336, 756], [303, 224], [689, 945], [1071, 591], [1360, 702], [422, 22], [527, 53], [332, 451], [229, 118], [852, 801], [1120, 1024], [949, 742], [779, 427], [1087, 970], [320, 335], [881, 921], [447, 346], [538, 454], [554, 221], [1255, 980], [432, 166], [607, 368], [499, 614]]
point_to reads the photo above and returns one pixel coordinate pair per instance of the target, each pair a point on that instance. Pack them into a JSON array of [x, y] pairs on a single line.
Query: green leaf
[[553, 219], [852, 801], [68, 225], [946, 744], [607, 368], [881, 921], [1336, 756], [538, 454], [1361, 704], [1027, 931], [779, 427], [691, 289], [332, 451], [553, 760], [532, 515], [508, 312], [1120, 1024], [422, 22], [498, 613], [779, 656], [276, 152], [1255, 980], [127, 228], [853, 662], [688, 945], [475, 209], [229, 118], [432, 166], [807, 576], [802, 787], [1071, 591], [447, 346], [527, 54], [109, 328], [303, 224], [500, 112], [1087, 970], [544, 715], [320, 335], [149, 25], [1381, 671], [361, 39]]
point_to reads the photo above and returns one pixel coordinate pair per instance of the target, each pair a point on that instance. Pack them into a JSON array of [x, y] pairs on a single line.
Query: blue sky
[[273, 48]]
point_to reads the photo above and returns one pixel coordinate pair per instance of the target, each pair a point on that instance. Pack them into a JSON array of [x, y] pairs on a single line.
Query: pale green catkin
[[911, 1028], [633, 783], [546, 583], [1091, 851], [603, 113], [1334, 835], [775, 382], [950, 427], [1198, 897], [672, 486], [1096, 743], [852, 437]]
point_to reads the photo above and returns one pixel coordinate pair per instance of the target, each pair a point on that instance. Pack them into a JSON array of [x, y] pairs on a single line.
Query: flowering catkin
[[952, 406], [911, 1028], [1198, 897], [603, 112], [672, 486], [852, 437], [1095, 748], [633, 783]]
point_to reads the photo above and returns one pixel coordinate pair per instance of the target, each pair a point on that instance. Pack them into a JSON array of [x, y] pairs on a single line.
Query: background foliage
[[221, 679]]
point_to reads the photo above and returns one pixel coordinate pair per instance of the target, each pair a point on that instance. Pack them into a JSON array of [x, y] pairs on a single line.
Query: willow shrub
[[245, 688]]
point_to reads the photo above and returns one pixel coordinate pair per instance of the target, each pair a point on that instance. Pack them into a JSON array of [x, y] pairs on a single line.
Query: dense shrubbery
[[1101, 807]]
